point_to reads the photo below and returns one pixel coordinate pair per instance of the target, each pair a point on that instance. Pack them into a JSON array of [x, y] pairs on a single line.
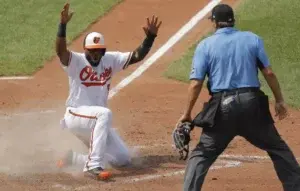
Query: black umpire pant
[[246, 114]]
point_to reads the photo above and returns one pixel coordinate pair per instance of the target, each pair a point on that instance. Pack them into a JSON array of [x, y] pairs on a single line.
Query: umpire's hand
[[184, 118], [281, 110]]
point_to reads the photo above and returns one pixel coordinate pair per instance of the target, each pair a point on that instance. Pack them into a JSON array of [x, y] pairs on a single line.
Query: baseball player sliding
[[87, 115]]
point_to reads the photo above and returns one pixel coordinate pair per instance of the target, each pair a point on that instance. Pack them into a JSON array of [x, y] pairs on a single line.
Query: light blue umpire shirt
[[230, 58]]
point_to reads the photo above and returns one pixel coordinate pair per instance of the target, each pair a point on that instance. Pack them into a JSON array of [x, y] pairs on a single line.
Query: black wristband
[[143, 49], [151, 36], [148, 41], [62, 28]]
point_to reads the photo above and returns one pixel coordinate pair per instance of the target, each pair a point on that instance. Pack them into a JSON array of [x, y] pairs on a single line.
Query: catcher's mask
[[181, 138]]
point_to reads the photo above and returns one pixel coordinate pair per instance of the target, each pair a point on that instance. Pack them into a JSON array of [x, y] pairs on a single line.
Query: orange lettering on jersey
[[90, 78]]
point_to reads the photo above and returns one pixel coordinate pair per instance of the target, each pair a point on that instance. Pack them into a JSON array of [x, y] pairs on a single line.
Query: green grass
[[276, 23], [180, 69], [29, 27]]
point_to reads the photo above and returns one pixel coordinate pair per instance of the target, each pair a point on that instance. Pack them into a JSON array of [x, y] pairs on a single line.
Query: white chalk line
[[224, 156], [16, 78], [243, 157], [61, 186], [224, 161], [222, 164], [160, 52], [8, 116]]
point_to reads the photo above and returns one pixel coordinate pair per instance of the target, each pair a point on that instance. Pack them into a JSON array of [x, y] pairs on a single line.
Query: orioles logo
[[90, 78], [96, 40]]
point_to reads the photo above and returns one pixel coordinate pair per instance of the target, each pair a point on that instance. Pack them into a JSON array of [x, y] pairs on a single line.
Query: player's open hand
[[152, 25], [66, 15]]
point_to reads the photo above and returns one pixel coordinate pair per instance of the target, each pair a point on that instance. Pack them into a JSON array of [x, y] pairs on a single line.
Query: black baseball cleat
[[98, 174]]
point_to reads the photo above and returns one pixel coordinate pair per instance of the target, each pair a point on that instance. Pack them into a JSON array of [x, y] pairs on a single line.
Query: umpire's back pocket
[[206, 118]]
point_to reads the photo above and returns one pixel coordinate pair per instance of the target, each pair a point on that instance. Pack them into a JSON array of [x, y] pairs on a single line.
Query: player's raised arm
[[61, 45], [151, 32]]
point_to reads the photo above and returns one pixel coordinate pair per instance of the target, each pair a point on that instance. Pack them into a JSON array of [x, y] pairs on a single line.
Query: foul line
[[161, 51], [16, 78], [8, 116], [151, 60]]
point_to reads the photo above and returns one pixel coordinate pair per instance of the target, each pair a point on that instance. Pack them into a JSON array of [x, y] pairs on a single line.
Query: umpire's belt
[[206, 118], [235, 91]]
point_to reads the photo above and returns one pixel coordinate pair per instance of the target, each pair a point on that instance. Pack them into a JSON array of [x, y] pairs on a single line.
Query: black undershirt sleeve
[[141, 52]]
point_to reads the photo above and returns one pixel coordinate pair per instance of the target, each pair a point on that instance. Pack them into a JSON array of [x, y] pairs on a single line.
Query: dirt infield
[[144, 113]]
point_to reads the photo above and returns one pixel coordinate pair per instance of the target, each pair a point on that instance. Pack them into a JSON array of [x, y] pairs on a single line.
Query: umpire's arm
[[273, 83], [197, 77], [193, 94], [266, 70]]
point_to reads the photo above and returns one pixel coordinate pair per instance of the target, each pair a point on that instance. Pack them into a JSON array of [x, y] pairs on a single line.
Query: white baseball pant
[[93, 126]]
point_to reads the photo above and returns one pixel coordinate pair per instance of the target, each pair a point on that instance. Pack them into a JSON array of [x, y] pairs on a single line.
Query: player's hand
[[281, 110], [152, 26], [65, 15]]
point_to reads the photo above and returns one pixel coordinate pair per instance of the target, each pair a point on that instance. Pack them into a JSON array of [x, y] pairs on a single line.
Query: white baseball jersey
[[88, 85]]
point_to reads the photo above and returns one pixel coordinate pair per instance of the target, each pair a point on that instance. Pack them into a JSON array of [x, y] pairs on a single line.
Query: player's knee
[[105, 115]]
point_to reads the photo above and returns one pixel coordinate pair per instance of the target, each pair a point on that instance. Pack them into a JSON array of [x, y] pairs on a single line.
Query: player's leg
[[117, 153], [79, 129], [97, 121], [79, 159]]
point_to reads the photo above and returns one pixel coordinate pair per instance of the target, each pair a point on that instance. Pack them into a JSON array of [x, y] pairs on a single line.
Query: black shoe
[[98, 173]]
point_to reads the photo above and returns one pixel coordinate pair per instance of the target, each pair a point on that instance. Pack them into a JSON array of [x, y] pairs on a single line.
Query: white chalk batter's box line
[[224, 161], [220, 164], [224, 156]]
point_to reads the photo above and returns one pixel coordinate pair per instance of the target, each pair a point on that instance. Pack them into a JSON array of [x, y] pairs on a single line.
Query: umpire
[[231, 59]]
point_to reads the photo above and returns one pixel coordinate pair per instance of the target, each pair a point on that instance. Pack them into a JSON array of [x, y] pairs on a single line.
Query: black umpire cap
[[222, 13]]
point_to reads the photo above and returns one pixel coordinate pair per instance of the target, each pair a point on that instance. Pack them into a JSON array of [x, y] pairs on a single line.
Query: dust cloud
[[32, 143]]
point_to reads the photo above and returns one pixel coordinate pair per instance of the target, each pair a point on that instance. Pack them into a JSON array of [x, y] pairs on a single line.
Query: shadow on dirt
[[150, 164]]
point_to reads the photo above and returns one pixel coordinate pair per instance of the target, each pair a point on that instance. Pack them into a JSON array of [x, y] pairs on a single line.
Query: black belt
[[235, 91]]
